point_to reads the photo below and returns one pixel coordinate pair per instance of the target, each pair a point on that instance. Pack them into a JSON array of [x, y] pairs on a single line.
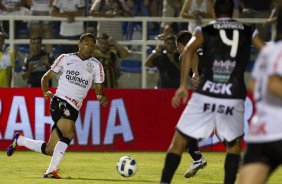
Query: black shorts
[[61, 108], [269, 153]]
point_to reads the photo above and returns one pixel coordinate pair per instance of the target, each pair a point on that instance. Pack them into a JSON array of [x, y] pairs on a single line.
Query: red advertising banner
[[134, 120]]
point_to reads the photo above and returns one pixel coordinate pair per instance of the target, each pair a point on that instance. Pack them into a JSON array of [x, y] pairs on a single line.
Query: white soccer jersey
[[76, 77], [266, 125]]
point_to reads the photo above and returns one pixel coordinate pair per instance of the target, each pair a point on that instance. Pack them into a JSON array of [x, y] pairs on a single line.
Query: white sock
[[57, 157], [31, 144]]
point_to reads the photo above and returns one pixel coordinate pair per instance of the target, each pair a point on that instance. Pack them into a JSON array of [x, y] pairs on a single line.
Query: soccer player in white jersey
[[78, 72], [218, 102], [264, 140]]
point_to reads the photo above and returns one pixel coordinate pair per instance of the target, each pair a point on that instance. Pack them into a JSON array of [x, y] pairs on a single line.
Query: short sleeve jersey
[[266, 125], [76, 77], [226, 49]]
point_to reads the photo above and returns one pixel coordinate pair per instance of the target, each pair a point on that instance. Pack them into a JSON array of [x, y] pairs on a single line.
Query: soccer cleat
[[194, 167], [12, 148], [53, 174]]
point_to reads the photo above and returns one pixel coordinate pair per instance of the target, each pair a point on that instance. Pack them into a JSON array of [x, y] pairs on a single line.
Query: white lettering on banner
[[18, 108], [92, 117], [40, 118], [92, 112], [118, 107], [217, 88]]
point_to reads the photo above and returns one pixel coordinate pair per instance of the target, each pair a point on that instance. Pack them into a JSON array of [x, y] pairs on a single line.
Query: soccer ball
[[126, 166]]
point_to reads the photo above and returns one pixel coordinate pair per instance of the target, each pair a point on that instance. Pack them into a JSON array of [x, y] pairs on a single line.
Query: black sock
[[43, 148], [231, 166], [193, 150], [171, 163]]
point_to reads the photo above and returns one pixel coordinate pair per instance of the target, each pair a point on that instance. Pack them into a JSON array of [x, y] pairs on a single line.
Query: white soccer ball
[[126, 166]]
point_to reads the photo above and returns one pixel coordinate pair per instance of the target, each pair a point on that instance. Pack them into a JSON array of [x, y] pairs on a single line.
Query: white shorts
[[204, 114]]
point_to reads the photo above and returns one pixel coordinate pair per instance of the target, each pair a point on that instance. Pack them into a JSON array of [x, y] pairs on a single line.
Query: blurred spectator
[[36, 63], [110, 8], [6, 63], [39, 28], [167, 30], [196, 9], [144, 8], [273, 15], [13, 7], [166, 59], [171, 8], [253, 9], [236, 13], [21, 51], [154, 7], [69, 29], [108, 53], [91, 26], [138, 8]]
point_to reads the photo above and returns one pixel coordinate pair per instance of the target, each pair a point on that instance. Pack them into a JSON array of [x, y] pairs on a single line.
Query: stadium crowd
[[194, 10]]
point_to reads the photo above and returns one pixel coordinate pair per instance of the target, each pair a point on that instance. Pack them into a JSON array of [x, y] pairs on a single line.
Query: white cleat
[[194, 167]]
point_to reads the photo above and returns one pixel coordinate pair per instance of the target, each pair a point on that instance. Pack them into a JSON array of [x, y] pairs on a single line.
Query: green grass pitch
[[99, 167]]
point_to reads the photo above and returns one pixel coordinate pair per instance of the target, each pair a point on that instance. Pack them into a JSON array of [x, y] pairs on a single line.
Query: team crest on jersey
[[89, 67]]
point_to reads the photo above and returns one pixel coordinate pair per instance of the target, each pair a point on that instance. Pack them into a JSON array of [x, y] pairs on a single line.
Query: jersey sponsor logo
[[218, 88], [222, 70], [222, 109], [73, 77], [73, 101]]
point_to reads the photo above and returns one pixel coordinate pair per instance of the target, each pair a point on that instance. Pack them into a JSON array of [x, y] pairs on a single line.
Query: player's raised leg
[[20, 140]]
